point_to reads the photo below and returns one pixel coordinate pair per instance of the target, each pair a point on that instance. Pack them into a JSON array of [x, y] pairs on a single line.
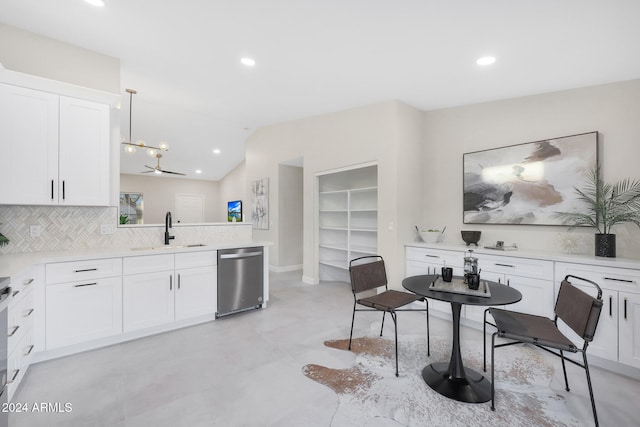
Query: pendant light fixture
[[130, 146]]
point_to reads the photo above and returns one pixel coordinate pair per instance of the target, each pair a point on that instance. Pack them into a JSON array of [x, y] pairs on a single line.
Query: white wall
[[290, 231], [336, 140], [612, 110], [159, 196], [232, 187], [30, 53]]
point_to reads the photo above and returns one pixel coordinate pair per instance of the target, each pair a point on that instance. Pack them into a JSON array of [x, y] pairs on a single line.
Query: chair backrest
[[577, 309], [367, 275]]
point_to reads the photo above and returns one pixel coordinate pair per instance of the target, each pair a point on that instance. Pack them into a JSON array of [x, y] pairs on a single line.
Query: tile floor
[[245, 370]]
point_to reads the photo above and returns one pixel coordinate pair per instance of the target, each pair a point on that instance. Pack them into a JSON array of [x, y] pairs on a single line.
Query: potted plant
[[607, 205]]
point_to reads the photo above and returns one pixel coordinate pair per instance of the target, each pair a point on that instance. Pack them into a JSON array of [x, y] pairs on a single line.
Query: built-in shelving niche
[[347, 218]]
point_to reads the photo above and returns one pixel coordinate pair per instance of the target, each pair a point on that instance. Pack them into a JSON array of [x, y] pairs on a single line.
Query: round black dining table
[[452, 379]]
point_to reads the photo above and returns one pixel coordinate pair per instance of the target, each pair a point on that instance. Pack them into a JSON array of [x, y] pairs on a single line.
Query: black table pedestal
[[453, 380]]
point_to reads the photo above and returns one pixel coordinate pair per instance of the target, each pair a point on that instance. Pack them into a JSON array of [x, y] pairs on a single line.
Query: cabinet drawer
[[436, 256], [19, 319], [61, 272], [23, 281], [534, 268], [148, 263], [196, 259], [623, 279]]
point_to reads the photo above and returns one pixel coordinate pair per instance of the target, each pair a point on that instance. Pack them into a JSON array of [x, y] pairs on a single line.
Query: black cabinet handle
[[178, 280], [85, 284], [63, 192], [505, 265], [85, 270], [613, 279], [625, 308], [51, 189], [15, 329], [610, 306], [170, 282]]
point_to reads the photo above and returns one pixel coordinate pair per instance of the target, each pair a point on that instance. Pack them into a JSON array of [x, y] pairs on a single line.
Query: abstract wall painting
[[260, 204], [527, 183]]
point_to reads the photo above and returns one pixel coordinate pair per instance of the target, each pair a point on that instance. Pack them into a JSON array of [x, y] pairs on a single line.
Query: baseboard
[[286, 268], [309, 280]]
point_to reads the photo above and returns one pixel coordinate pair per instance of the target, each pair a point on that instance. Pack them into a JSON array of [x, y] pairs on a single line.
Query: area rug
[[370, 394]]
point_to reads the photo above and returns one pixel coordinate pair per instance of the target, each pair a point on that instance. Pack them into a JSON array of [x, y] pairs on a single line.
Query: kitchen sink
[[168, 247]]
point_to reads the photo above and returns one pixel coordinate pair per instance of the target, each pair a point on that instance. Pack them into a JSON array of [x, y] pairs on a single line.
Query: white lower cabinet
[[168, 287], [430, 261], [629, 350], [196, 292], [83, 311], [617, 336], [147, 300], [21, 327], [533, 278]]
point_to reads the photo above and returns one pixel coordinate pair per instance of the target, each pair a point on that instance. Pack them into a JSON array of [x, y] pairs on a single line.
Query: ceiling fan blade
[[149, 167], [174, 173], [146, 172]]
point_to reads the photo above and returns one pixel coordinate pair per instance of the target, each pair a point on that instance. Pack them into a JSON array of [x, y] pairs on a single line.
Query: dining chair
[[368, 275], [575, 308]]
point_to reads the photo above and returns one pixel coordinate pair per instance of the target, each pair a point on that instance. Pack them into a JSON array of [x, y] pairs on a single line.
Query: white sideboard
[[538, 276]]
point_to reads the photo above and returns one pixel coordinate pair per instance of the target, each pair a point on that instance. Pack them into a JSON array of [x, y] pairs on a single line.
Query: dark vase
[[606, 245]]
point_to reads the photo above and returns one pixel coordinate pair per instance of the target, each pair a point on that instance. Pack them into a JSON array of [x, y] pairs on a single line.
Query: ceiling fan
[[158, 169]]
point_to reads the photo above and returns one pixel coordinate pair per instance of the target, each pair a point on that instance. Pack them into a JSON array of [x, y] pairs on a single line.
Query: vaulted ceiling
[[314, 57]]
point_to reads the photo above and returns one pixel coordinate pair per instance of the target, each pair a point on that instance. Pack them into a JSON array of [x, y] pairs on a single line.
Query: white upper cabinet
[[55, 149], [84, 153], [28, 146]]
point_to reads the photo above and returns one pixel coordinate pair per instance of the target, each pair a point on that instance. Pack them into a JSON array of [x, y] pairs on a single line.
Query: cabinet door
[[82, 311], [537, 296], [29, 148], [196, 292], [629, 310], [84, 153], [147, 300]]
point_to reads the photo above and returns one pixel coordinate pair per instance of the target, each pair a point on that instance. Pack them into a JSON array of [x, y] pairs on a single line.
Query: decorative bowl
[[430, 236], [471, 237]]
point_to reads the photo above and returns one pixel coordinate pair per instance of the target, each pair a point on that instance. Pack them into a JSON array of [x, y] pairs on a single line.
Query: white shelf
[[348, 219], [335, 264]]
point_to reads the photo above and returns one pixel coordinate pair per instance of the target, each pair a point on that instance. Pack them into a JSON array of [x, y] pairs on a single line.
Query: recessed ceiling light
[[216, 151], [486, 60], [198, 171], [249, 62], [98, 3]]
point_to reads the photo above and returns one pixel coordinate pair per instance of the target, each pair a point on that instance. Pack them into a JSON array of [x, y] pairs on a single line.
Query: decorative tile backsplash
[[72, 228]]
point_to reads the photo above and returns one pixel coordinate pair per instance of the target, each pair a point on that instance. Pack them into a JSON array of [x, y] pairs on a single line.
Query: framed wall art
[[260, 204], [234, 211], [527, 183]]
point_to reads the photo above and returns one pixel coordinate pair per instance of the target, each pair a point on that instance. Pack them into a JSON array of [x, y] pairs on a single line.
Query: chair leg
[[493, 387], [428, 337], [484, 342], [564, 370], [353, 318], [382, 327], [395, 326], [593, 402]]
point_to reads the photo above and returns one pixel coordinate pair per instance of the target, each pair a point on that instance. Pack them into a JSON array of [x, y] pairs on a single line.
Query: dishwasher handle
[[241, 255]]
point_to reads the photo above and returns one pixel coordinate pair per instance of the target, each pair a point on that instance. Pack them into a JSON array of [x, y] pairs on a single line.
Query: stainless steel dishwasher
[[240, 280]]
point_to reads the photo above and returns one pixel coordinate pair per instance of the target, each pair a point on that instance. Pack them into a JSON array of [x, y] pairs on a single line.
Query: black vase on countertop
[[606, 245]]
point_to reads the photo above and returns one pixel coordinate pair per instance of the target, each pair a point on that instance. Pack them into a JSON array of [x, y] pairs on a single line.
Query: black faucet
[[167, 226]]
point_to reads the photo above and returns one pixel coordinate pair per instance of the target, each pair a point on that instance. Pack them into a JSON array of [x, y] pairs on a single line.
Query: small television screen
[[234, 211]]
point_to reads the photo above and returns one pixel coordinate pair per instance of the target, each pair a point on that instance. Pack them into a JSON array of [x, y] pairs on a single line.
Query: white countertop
[[12, 264], [533, 254]]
